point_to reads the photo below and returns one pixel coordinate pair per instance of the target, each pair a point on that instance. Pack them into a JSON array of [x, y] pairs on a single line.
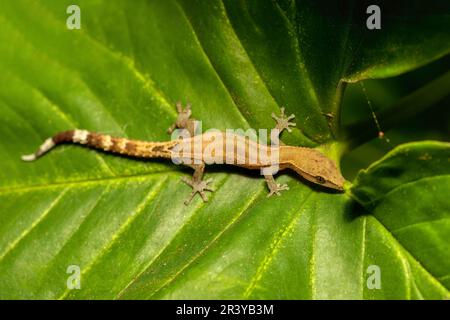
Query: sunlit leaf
[[122, 221]]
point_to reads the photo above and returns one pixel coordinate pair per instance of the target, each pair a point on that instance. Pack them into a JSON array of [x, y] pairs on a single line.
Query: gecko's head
[[319, 169]]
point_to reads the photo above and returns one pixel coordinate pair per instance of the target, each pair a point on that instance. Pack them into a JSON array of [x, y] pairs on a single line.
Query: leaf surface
[[123, 221]]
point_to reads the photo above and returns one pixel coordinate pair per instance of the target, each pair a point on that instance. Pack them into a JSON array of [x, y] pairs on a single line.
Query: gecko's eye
[[320, 179]]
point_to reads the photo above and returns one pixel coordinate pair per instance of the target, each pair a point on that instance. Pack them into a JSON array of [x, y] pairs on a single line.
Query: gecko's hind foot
[[277, 188], [182, 118], [284, 122], [198, 186]]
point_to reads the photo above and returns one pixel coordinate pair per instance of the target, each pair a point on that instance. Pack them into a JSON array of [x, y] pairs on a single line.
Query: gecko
[[308, 163]]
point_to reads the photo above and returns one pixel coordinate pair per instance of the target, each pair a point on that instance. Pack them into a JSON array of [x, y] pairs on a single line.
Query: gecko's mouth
[[333, 186], [338, 188]]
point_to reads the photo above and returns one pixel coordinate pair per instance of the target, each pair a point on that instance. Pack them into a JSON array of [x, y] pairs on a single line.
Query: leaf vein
[[35, 223]]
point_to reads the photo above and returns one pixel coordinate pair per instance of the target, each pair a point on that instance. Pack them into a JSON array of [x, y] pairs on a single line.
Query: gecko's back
[[219, 147]]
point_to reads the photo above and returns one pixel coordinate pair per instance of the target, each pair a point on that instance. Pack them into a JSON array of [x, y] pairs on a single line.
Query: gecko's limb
[[275, 188], [198, 185], [283, 122], [183, 120]]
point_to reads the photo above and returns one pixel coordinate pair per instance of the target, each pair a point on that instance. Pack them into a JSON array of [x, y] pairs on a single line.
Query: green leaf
[[123, 221], [407, 192]]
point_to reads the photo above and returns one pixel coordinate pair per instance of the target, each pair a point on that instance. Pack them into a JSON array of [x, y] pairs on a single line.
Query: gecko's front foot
[[284, 122], [198, 186]]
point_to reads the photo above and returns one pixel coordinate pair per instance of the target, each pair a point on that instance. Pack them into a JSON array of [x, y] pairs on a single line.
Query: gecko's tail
[[76, 136], [104, 142]]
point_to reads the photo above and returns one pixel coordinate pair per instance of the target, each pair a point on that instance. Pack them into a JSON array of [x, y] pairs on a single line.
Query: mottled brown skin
[[65, 136], [124, 146], [308, 163]]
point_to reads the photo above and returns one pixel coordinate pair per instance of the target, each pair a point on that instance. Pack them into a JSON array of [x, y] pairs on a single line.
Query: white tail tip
[[29, 157]]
